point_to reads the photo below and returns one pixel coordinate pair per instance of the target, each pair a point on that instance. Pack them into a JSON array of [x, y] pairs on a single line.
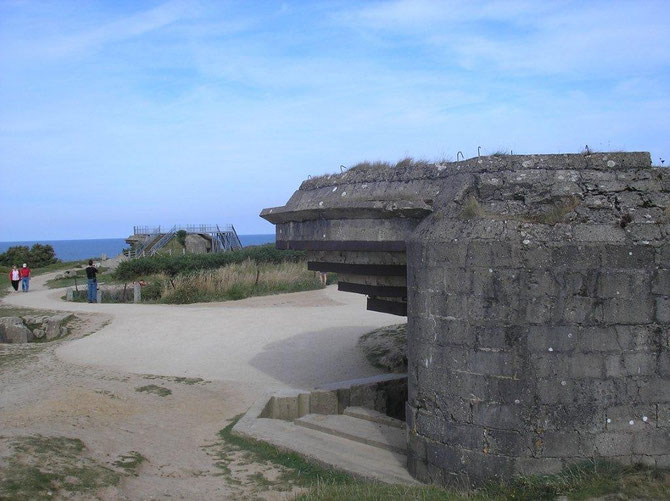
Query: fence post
[[69, 295], [137, 290], [99, 296]]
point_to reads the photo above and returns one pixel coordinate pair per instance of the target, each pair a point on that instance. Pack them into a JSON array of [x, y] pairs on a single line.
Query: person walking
[[15, 277], [25, 277], [91, 275]]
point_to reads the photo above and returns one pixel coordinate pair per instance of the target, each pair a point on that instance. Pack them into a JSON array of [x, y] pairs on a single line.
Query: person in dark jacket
[[91, 275]]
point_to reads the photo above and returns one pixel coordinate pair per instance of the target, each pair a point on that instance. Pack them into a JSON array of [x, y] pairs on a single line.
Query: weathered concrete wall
[[538, 303]]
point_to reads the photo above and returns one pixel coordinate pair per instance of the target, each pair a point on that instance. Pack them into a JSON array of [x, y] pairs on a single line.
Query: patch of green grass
[[50, 467], [61, 265], [130, 462], [161, 391], [296, 470], [7, 359], [369, 491], [177, 379], [581, 481], [17, 311], [588, 480], [79, 278], [188, 380]]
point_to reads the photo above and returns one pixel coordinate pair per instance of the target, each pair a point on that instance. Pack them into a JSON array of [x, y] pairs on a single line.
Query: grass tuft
[[472, 209], [558, 212], [161, 391], [130, 462]]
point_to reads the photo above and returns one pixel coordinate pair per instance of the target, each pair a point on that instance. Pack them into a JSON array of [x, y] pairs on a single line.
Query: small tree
[[181, 237], [15, 255], [42, 255], [37, 256]]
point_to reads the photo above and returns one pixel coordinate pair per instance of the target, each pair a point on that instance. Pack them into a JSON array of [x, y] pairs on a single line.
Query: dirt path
[[158, 382]]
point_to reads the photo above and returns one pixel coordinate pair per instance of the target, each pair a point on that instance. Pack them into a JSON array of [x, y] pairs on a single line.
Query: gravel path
[[86, 386]]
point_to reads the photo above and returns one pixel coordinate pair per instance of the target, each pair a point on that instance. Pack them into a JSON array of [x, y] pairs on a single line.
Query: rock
[[55, 327], [12, 330], [39, 333]]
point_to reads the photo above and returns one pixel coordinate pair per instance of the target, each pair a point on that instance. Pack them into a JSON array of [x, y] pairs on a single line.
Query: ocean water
[[75, 250]]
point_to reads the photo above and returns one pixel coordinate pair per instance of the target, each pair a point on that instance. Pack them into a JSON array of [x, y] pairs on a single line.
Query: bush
[[181, 237], [36, 257], [191, 263]]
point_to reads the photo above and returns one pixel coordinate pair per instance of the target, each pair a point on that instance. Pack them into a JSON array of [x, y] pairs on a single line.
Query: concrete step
[[374, 416], [366, 432]]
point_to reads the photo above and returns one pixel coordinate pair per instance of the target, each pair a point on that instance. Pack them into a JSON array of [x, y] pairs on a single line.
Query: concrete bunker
[[537, 292]]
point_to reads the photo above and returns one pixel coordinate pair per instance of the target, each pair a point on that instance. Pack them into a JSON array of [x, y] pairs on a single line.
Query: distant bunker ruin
[[537, 292]]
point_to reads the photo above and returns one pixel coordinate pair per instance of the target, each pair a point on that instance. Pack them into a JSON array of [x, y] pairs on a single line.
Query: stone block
[[630, 364], [631, 418], [429, 425], [450, 330], [538, 311], [663, 309], [652, 441], [664, 364], [495, 363], [575, 257], [508, 443], [561, 444], [627, 256], [584, 365], [448, 457], [614, 444], [661, 283], [492, 415], [663, 416], [284, 407], [584, 416], [325, 402], [596, 339], [624, 284], [466, 436], [481, 467], [628, 311], [654, 390]]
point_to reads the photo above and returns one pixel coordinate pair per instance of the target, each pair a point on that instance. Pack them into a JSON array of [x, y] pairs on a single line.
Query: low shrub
[[191, 263]]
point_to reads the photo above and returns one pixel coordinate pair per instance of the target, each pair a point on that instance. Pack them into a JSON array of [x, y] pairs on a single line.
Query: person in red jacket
[[15, 277], [25, 278]]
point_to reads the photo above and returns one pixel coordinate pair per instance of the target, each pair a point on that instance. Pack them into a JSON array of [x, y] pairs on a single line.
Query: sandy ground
[[85, 386]]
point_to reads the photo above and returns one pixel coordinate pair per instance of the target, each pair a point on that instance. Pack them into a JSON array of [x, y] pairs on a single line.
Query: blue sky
[[122, 113]]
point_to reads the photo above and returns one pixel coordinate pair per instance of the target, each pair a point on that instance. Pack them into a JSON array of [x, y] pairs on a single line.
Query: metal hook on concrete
[[342, 168], [479, 151], [461, 154]]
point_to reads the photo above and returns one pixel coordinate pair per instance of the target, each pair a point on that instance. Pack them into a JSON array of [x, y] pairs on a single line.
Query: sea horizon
[[89, 248]]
